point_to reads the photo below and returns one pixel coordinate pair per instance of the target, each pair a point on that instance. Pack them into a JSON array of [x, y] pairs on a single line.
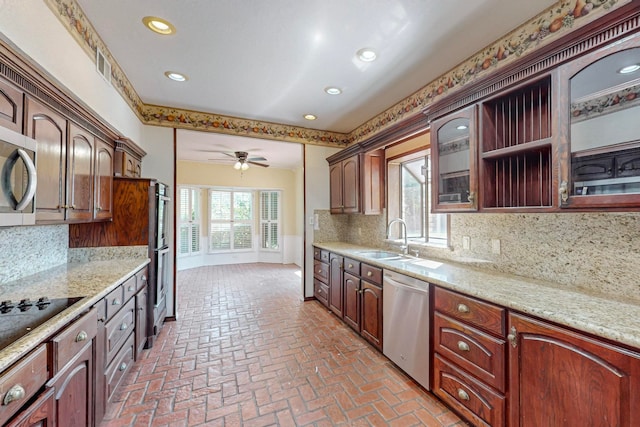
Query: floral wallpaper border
[[605, 104], [558, 20]]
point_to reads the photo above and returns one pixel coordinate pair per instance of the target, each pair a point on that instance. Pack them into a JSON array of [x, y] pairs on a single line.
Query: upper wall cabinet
[[11, 105], [454, 162], [356, 183], [600, 162], [75, 170]]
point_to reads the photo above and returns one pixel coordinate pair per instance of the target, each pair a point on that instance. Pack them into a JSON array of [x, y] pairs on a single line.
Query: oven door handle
[[163, 250], [32, 179]]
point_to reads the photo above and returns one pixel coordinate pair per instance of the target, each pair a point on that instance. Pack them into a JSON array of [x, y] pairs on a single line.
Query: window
[[410, 181], [270, 219], [189, 224], [231, 214]]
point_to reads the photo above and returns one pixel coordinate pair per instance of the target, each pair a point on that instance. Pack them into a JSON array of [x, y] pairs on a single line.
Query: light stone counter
[[91, 280], [601, 315]]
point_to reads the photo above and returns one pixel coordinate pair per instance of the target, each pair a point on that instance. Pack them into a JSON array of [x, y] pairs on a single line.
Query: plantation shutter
[[270, 219]]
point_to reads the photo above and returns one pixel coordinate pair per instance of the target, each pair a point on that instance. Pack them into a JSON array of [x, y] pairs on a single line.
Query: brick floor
[[247, 351]]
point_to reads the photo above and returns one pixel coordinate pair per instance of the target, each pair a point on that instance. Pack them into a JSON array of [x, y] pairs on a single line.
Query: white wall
[[316, 171]]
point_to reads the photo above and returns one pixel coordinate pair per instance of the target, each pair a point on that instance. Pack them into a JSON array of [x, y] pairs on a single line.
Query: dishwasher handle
[[405, 282]]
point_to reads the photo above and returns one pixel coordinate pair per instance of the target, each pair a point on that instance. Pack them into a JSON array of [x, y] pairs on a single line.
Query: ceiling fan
[[243, 160]]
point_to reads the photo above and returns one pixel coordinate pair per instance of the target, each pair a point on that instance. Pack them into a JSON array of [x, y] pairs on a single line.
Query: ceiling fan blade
[[256, 159], [258, 164]]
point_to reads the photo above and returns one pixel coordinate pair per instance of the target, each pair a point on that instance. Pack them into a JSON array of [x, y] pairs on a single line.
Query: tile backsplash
[[29, 250], [597, 252]]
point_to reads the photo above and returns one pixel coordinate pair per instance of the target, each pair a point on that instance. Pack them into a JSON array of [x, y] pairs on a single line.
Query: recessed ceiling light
[[310, 117], [332, 90], [461, 127], [367, 54], [158, 25], [178, 77], [629, 69]]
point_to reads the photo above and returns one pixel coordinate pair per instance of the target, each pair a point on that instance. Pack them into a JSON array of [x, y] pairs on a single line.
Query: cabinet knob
[[82, 336], [319, 271], [463, 395], [463, 346], [115, 302], [350, 265], [369, 274], [513, 337], [15, 393], [130, 288], [123, 327], [144, 278], [462, 308], [123, 366]]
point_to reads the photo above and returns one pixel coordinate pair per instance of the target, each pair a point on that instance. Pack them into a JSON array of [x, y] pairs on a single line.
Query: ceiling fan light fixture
[[238, 165], [159, 25], [310, 117], [176, 77], [244, 166], [366, 54]]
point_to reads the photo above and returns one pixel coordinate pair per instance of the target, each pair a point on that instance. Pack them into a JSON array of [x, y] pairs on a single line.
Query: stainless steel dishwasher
[[405, 324]]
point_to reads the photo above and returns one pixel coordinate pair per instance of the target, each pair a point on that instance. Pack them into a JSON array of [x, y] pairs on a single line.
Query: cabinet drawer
[[479, 353], [321, 292], [129, 287], [352, 266], [321, 271], [22, 381], [114, 301], [316, 253], [141, 278], [478, 313], [70, 342], [119, 366], [119, 328], [371, 274], [475, 401], [325, 256]]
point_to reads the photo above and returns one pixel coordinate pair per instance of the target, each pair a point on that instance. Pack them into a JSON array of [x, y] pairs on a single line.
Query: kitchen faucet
[[404, 247]]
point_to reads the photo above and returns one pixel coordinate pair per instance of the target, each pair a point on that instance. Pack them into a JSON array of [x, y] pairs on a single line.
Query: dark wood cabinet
[[336, 284], [104, 181], [141, 320], [40, 413], [344, 186], [560, 377], [49, 129], [128, 159], [371, 313], [454, 163], [11, 106], [357, 183], [469, 345], [352, 301], [321, 276], [81, 174]]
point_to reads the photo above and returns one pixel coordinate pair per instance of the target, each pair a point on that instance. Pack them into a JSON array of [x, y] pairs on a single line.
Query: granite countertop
[[91, 280], [601, 315]]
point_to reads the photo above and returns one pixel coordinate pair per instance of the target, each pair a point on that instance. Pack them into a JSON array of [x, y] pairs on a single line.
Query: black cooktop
[[17, 319]]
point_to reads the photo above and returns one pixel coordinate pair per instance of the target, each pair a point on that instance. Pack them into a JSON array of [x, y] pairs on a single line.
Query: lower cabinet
[[336, 284], [584, 381], [371, 304], [73, 397], [41, 413], [495, 367]]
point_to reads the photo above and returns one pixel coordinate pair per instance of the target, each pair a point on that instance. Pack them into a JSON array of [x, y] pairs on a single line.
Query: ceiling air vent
[[103, 66]]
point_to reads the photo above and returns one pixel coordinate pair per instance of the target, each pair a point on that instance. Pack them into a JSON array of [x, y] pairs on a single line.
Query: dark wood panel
[[41, 413], [371, 313], [74, 390], [480, 314], [352, 301], [335, 284], [584, 381], [81, 174], [11, 106]]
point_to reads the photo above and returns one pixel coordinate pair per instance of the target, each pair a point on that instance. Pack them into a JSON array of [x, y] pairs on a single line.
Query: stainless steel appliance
[[405, 325], [162, 255], [17, 178]]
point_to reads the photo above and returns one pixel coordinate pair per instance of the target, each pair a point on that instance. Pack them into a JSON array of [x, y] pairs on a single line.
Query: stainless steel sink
[[380, 254]]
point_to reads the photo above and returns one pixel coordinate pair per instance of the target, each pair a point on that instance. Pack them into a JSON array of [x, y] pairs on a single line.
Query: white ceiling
[[271, 60]]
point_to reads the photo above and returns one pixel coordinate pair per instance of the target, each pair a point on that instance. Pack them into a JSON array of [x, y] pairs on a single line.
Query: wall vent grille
[[103, 66]]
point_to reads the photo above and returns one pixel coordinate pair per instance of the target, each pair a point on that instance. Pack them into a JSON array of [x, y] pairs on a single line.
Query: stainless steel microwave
[[18, 178]]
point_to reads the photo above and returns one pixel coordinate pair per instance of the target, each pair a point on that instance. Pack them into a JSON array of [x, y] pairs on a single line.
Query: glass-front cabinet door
[[454, 171], [601, 157]]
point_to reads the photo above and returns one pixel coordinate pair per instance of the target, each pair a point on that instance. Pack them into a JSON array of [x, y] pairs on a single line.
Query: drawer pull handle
[[463, 395], [15, 393], [123, 366], [130, 289], [116, 302], [144, 278], [82, 336], [463, 346], [123, 327], [350, 265], [319, 271], [369, 274], [462, 308]]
